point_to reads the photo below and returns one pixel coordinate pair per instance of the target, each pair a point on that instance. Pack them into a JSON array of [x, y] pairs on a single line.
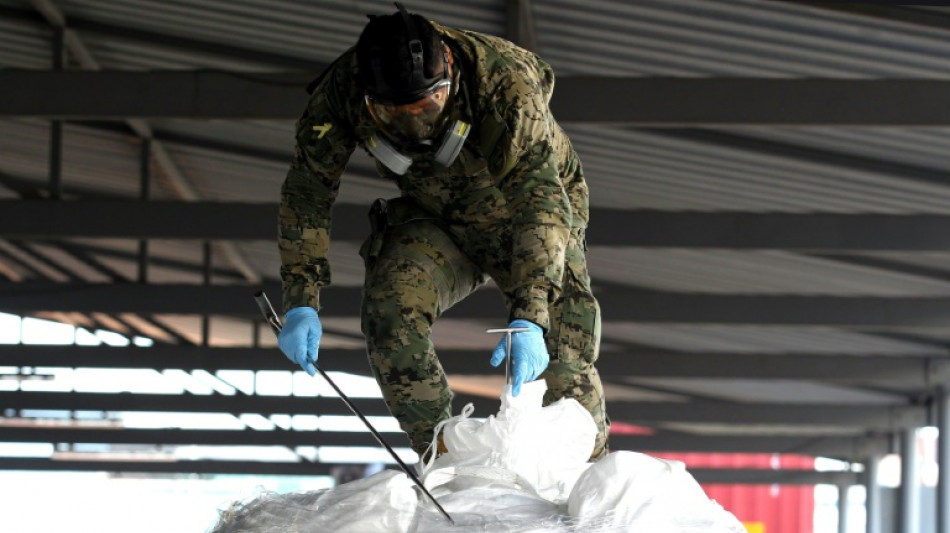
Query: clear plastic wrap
[[485, 510], [523, 470]]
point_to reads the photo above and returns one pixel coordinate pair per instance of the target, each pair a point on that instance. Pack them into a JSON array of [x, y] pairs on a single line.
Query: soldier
[[490, 187]]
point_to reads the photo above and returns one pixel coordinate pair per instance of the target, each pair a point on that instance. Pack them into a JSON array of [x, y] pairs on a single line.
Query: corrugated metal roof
[[298, 31], [938, 263], [769, 391], [681, 38], [777, 340], [632, 169], [753, 272], [24, 45], [93, 159], [919, 148], [309, 30], [755, 38]]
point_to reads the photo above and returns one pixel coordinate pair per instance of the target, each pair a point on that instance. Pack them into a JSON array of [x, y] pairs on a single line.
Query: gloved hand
[[300, 337], [529, 356]]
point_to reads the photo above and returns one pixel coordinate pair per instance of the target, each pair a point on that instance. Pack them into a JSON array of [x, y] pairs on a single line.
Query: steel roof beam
[[213, 403], [759, 476], [209, 437], [747, 141], [790, 231], [519, 24], [135, 219], [876, 417], [854, 449], [652, 101], [205, 220], [171, 466], [825, 446], [764, 414], [914, 372], [652, 306], [703, 475]]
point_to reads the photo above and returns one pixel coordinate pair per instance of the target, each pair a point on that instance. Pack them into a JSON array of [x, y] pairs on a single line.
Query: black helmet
[[406, 78], [400, 56]]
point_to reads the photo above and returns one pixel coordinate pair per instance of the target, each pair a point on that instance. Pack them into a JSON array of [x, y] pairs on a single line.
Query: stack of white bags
[[522, 470]]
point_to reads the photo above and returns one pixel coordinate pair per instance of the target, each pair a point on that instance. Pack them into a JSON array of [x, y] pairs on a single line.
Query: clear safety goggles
[[414, 121]]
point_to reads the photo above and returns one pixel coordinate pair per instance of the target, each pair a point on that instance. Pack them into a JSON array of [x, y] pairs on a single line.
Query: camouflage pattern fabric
[[514, 204], [414, 273]]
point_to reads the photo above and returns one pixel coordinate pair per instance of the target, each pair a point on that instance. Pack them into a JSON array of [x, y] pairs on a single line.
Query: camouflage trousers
[[414, 273]]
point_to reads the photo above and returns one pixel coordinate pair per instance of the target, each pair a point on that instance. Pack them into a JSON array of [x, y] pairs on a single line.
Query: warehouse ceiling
[[770, 208]]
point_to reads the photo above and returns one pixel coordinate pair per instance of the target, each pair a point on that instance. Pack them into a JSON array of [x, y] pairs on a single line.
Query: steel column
[[206, 281], [843, 490], [145, 176], [872, 501], [910, 487], [943, 459]]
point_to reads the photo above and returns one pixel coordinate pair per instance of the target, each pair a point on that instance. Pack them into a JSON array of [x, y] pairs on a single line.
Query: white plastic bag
[[523, 470], [643, 493], [487, 496], [547, 447]]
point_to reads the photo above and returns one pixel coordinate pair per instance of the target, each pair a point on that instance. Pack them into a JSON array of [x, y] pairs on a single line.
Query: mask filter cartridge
[[386, 153], [452, 143]]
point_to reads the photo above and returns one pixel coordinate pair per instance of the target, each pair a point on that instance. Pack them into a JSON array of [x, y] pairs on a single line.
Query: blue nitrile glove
[[300, 337], [529, 356]]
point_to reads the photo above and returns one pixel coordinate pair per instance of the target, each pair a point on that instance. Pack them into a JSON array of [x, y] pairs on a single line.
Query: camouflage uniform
[[513, 207]]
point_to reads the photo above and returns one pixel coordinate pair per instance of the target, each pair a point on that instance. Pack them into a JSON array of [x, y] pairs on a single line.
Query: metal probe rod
[[271, 317], [509, 371]]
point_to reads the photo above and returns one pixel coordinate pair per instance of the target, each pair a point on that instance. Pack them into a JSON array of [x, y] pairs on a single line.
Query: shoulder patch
[[322, 129]]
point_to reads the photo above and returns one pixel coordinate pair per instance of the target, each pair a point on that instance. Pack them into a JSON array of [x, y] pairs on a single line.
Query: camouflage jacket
[[512, 200]]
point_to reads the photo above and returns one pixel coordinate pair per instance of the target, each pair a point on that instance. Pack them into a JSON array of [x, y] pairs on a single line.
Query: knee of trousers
[[398, 299]]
